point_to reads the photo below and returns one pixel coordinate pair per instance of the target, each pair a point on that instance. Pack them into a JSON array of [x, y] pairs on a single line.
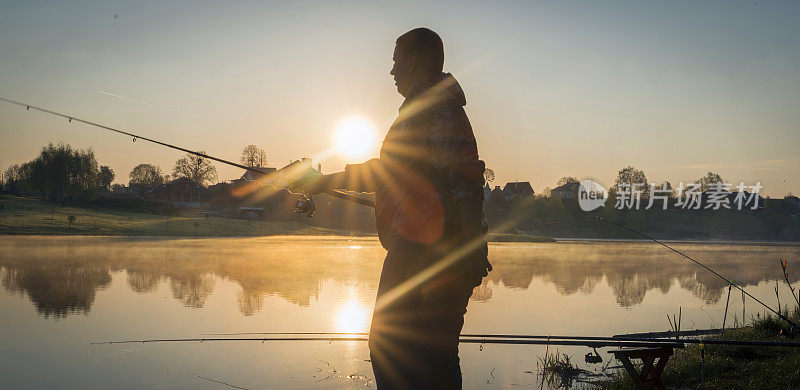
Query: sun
[[355, 138]]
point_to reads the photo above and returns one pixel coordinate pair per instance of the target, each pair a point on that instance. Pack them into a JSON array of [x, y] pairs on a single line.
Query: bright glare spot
[[355, 138], [352, 318], [354, 247]]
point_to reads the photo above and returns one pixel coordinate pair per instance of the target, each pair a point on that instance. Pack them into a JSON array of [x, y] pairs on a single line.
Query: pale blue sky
[[553, 88]]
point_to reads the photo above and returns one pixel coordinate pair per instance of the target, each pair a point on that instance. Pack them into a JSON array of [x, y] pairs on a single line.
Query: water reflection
[[62, 275], [57, 289], [632, 269], [352, 317]]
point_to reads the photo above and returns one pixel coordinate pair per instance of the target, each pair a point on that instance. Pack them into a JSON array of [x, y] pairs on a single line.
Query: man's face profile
[[401, 70]]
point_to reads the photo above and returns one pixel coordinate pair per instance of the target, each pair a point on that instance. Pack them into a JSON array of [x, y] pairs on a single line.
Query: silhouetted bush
[[135, 204]]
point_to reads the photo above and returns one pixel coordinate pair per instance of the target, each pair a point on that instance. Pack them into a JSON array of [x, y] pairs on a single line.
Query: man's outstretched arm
[[356, 177]]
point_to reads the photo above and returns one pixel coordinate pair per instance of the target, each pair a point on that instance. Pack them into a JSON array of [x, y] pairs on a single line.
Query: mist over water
[[60, 293]]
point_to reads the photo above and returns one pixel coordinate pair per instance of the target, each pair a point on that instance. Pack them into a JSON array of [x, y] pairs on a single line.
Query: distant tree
[[196, 168], [488, 175], [11, 179], [70, 220], [633, 177], [253, 156], [59, 172], [145, 175], [566, 180], [106, 176], [708, 179], [666, 186]]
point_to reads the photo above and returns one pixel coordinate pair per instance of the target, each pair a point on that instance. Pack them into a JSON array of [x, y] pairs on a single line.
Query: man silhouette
[[428, 184]]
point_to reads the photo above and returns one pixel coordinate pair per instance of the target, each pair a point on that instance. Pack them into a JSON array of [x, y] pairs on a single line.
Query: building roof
[[565, 187], [253, 175], [518, 188]]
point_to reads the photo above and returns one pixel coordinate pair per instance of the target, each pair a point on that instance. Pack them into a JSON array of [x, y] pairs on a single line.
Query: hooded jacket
[[428, 168]]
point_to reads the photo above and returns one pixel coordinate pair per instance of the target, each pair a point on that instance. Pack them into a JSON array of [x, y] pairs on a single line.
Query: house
[[566, 191], [517, 189], [257, 193], [181, 189], [496, 194], [250, 176]]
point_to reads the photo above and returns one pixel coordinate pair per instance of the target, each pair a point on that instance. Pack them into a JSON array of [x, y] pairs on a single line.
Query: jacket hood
[[443, 86]]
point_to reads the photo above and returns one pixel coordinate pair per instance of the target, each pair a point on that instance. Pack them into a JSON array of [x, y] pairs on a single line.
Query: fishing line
[[334, 193], [727, 280]]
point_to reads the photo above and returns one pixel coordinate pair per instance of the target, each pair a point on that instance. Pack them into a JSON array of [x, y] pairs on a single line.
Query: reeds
[[558, 371]]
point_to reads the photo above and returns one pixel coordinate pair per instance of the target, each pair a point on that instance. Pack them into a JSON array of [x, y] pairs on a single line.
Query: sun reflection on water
[[352, 318]]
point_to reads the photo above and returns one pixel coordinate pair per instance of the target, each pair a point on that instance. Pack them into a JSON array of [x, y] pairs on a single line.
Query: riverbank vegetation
[[21, 215], [733, 367]]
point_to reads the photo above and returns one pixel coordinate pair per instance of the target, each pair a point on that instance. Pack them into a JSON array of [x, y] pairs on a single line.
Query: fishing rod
[[307, 204], [580, 343], [548, 337], [794, 325], [70, 118]]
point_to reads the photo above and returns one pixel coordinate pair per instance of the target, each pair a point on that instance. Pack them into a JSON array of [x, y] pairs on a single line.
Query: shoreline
[[679, 241], [333, 235], [493, 238]]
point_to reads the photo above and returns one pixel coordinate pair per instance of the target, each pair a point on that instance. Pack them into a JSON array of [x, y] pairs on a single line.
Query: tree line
[[550, 214], [63, 173], [196, 168], [59, 173]]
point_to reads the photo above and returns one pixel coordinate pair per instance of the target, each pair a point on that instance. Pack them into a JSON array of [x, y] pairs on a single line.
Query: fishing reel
[[593, 358], [305, 205]]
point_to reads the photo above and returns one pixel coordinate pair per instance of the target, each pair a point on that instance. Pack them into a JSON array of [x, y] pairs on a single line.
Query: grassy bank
[[727, 367], [31, 216]]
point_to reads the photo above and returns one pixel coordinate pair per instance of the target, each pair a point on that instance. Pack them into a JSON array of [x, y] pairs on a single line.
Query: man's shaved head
[[425, 46]]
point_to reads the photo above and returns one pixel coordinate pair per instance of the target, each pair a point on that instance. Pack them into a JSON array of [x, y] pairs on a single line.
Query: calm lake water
[[61, 293]]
